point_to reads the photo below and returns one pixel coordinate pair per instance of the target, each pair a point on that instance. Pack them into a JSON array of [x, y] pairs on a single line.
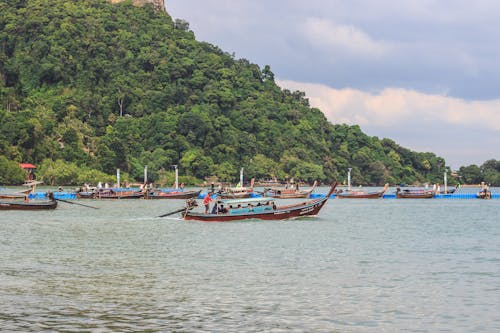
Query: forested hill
[[88, 86]]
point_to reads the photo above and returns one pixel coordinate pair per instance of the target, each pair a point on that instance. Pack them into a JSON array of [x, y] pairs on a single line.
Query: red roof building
[[30, 168], [27, 166]]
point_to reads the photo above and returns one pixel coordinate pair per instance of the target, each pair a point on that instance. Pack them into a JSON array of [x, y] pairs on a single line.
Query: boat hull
[[288, 193], [360, 196], [288, 196], [110, 195], [12, 196], [242, 195], [172, 195], [28, 205], [425, 195]]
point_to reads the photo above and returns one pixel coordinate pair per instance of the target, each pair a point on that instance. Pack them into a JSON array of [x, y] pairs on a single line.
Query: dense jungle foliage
[[87, 87]]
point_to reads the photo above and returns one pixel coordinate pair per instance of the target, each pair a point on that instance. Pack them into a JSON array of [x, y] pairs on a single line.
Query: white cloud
[[393, 106], [327, 34], [464, 132]]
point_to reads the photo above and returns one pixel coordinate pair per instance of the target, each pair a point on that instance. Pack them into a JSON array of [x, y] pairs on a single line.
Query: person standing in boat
[[206, 202]]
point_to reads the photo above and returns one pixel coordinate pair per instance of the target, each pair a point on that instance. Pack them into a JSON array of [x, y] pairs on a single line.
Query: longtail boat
[[171, 194], [111, 193], [291, 192], [29, 205], [19, 194], [228, 210], [13, 195], [238, 192], [362, 194], [415, 194]]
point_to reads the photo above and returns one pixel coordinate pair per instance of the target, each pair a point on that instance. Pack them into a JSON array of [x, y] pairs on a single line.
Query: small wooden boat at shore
[[171, 194], [29, 205], [257, 208], [415, 194], [362, 194], [291, 192]]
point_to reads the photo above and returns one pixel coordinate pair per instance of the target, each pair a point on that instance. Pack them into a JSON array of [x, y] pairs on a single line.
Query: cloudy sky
[[424, 73]]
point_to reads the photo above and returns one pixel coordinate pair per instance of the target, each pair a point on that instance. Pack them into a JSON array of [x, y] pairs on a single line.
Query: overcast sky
[[424, 73]]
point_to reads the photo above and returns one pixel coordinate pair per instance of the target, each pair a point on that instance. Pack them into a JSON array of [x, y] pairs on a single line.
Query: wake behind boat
[[256, 208]]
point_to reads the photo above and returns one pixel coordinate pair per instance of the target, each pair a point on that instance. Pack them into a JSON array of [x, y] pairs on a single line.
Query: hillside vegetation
[[87, 87]]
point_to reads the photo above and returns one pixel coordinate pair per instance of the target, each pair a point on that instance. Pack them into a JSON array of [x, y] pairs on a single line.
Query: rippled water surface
[[361, 266]]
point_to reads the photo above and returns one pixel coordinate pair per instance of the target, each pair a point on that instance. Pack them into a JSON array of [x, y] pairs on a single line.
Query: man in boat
[[206, 202]]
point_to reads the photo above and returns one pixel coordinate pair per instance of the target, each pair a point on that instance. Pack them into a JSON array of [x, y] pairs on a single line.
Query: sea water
[[360, 266]]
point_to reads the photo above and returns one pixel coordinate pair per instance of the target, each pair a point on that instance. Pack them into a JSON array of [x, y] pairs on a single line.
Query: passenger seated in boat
[[223, 210]]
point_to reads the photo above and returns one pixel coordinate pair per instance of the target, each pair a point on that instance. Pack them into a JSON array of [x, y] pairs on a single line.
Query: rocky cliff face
[[157, 4]]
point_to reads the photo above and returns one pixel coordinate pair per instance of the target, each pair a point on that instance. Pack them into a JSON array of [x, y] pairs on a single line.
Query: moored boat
[[291, 192], [29, 205], [13, 195], [415, 194], [20, 194], [111, 193], [171, 194], [238, 192], [257, 208], [362, 194]]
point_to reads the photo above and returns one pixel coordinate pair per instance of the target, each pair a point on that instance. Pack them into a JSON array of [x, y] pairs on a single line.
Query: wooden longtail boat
[[414, 194], [237, 192], [29, 205], [362, 194], [18, 194], [14, 195], [171, 194], [111, 193], [288, 193], [257, 208]]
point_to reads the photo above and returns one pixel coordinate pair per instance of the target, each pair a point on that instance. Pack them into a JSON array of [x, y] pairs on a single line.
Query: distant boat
[[362, 194], [288, 192], [177, 192], [256, 208], [111, 193], [29, 205], [171, 194], [20, 194], [415, 193], [14, 195], [238, 192]]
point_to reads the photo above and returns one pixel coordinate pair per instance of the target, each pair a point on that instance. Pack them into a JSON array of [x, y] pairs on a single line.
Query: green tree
[[10, 172]]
